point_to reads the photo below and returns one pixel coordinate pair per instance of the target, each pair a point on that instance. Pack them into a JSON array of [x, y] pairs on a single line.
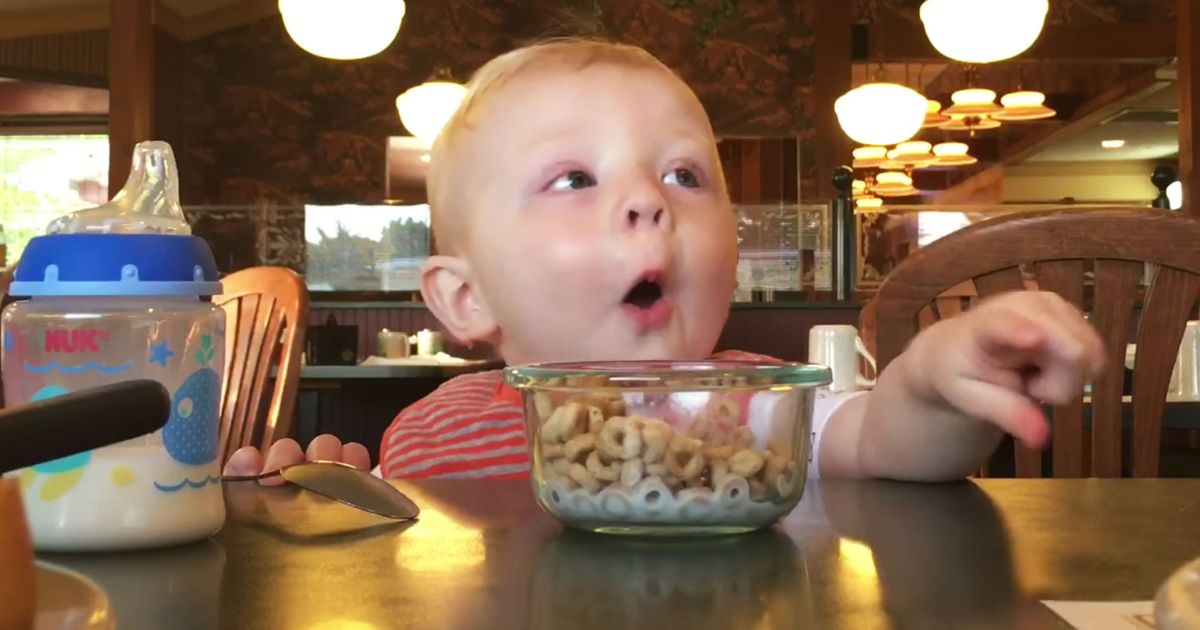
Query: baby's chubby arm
[[940, 408]]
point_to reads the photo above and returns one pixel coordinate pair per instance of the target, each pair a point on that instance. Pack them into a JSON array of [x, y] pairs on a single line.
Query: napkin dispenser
[[332, 344]]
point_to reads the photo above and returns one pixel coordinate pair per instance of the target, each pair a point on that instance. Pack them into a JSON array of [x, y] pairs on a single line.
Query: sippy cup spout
[[148, 203]]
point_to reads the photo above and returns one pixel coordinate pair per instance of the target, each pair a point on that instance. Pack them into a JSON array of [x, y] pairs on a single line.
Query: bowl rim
[[671, 373]]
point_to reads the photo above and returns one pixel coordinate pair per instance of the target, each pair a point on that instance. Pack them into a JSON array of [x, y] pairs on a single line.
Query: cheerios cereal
[[595, 457]]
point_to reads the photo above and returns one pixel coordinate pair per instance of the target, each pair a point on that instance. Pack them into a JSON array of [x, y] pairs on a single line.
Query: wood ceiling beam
[[229, 16], [168, 21], [96, 15], [54, 20]]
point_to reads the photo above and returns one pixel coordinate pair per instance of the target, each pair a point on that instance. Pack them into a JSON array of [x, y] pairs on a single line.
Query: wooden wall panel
[[1189, 103], [761, 170]]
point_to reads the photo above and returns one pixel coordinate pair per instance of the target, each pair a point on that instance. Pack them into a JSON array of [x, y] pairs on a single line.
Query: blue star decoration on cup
[[159, 353]]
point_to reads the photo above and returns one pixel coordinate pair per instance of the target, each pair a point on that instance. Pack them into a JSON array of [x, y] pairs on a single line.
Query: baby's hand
[[249, 461], [1003, 358]]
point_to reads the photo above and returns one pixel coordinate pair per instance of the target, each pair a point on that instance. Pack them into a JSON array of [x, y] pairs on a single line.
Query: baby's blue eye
[[573, 180], [681, 177]]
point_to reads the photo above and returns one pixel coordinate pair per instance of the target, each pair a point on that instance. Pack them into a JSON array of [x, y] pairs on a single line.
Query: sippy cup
[[122, 292]]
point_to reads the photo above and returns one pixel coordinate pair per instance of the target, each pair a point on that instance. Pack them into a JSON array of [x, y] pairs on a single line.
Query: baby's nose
[[637, 217]]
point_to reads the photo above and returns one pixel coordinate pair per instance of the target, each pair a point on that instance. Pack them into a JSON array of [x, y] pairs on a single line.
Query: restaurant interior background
[[286, 158], [291, 159]]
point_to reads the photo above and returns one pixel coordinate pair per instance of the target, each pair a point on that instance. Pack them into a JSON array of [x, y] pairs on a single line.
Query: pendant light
[[346, 29]]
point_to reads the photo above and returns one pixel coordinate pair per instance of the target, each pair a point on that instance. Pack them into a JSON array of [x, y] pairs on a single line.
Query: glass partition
[[784, 251], [887, 238], [787, 253], [344, 249]]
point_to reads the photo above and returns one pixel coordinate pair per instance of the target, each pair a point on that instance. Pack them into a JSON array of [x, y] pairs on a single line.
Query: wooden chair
[[1057, 248], [6, 280], [266, 314]]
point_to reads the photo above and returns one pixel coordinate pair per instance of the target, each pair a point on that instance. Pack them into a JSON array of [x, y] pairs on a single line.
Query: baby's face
[[600, 227]]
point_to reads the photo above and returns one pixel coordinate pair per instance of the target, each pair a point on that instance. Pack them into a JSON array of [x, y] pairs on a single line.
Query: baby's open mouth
[[645, 294], [647, 303]]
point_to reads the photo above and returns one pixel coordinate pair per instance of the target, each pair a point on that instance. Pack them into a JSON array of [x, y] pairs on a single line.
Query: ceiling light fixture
[[881, 113], [424, 109], [869, 157], [868, 205], [1023, 105], [893, 184], [858, 188], [910, 155], [953, 154], [349, 29], [933, 114], [983, 31]]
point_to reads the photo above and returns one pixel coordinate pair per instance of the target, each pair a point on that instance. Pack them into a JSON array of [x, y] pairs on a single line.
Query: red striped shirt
[[473, 426]]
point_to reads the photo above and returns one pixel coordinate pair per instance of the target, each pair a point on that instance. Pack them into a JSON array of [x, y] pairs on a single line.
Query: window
[[934, 225], [43, 177], [366, 248]]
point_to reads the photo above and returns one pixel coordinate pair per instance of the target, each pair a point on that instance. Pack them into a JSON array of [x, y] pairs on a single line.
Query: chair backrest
[[1058, 250], [6, 279], [266, 314]]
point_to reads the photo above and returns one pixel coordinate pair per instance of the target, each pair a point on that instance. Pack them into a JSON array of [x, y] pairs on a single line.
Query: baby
[[581, 213]]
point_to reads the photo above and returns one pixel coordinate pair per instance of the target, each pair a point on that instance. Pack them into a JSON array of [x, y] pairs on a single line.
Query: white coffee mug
[[1185, 380], [394, 344], [429, 342], [839, 346]]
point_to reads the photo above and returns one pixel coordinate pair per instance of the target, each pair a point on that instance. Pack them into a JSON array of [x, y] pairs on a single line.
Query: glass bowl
[[668, 448]]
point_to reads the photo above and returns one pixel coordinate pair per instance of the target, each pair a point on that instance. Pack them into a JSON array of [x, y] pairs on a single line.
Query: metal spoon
[[345, 484]]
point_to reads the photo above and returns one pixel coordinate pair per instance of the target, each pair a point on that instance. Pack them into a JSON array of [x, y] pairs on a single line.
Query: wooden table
[[854, 555]]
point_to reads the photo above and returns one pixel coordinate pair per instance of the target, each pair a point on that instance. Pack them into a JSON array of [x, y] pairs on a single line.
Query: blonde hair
[[557, 54]]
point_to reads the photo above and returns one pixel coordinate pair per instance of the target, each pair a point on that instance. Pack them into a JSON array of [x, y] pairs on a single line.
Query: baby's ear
[[446, 285]]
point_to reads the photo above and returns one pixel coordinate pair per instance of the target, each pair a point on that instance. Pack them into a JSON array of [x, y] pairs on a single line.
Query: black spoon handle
[[81, 421]]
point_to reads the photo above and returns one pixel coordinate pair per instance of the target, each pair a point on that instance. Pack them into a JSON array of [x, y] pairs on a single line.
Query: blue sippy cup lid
[[116, 265], [138, 244]]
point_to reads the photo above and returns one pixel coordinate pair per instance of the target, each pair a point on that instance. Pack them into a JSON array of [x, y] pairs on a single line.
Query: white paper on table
[[440, 358], [1105, 615]]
